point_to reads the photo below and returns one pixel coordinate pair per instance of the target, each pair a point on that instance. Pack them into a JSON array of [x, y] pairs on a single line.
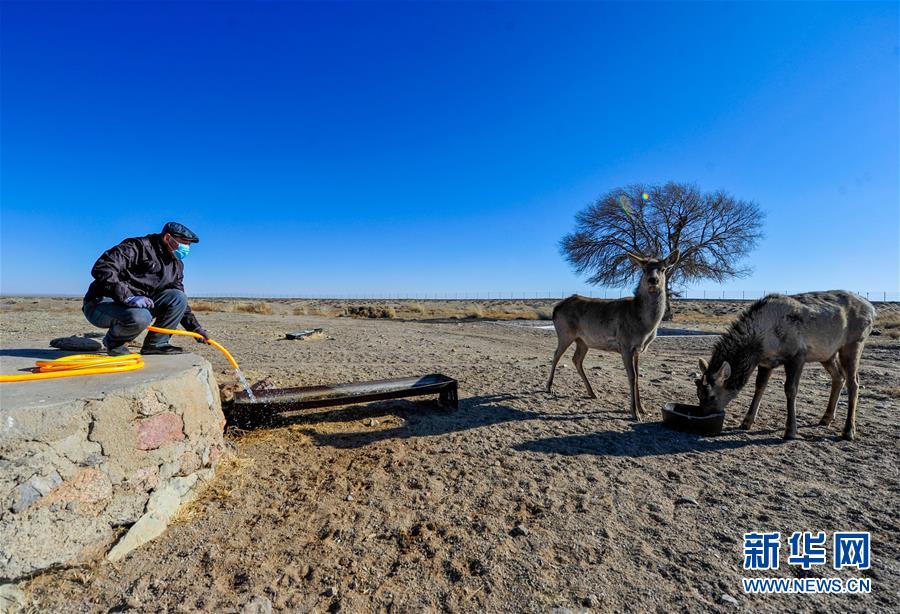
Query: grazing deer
[[626, 326], [826, 327]]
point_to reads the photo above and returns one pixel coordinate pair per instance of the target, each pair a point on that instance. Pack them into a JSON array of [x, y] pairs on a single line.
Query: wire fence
[[875, 296], [549, 294]]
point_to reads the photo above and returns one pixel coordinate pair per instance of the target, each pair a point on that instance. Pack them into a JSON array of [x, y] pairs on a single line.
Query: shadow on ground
[[420, 419], [643, 439], [38, 353]]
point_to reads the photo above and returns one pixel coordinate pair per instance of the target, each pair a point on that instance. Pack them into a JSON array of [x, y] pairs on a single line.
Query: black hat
[[180, 231]]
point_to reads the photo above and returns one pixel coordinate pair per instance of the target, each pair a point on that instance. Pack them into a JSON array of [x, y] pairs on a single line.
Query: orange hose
[[78, 364], [95, 364], [184, 333]]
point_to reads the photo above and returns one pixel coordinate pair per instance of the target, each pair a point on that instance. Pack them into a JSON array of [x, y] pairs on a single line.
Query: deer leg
[[837, 381], [762, 378], [581, 349], [561, 346], [849, 356], [629, 369], [793, 368], [635, 357]]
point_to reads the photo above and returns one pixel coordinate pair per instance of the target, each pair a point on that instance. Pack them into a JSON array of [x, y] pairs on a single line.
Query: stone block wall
[[99, 475]]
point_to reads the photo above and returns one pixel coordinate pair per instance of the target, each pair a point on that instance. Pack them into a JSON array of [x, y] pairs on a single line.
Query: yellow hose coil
[[94, 364]]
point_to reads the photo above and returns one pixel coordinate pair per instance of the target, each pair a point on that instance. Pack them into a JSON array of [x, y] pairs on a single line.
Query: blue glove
[[141, 302], [202, 331]]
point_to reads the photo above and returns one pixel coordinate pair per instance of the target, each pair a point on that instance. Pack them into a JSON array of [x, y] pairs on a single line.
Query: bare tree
[[713, 231]]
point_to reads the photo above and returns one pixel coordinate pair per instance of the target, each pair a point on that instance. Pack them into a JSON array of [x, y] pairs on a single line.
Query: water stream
[[246, 386]]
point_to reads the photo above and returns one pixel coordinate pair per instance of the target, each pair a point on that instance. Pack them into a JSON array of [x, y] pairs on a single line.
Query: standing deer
[[827, 327], [626, 326]]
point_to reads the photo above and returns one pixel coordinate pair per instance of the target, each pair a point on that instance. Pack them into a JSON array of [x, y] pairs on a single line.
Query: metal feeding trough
[[304, 334], [269, 404], [692, 419]]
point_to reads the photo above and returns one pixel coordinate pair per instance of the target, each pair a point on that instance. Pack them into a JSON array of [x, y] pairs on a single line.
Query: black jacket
[[141, 266]]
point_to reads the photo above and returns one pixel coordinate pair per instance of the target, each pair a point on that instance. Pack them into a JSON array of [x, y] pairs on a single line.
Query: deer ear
[[635, 259], [723, 374], [703, 365], [673, 259]]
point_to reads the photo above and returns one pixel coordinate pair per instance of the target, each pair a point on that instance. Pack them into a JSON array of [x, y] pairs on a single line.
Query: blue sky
[[361, 148]]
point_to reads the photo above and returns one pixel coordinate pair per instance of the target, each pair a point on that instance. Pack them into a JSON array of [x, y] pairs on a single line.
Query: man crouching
[[140, 279]]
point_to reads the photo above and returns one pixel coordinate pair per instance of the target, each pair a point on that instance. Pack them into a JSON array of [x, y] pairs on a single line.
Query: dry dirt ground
[[518, 501]]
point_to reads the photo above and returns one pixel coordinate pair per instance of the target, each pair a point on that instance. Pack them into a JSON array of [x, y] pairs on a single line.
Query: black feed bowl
[[692, 419]]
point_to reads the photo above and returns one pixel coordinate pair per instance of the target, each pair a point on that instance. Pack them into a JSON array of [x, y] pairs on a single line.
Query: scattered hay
[[888, 322], [202, 305], [370, 311], [231, 475], [474, 311], [259, 307]]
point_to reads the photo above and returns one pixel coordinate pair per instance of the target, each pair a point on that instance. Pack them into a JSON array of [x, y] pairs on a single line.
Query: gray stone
[[45, 483], [163, 503], [48, 538], [72, 467], [79, 449], [257, 605], [26, 494], [126, 509], [12, 599], [726, 598], [519, 530]]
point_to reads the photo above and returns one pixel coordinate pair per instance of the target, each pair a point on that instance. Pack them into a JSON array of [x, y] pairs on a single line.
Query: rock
[[257, 605], [331, 591], [591, 601], [127, 509], [372, 422], [81, 456], [12, 599], [686, 501], [159, 430], [77, 343], [519, 530], [726, 598], [45, 483], [89, 488], [163, 504], [659, 518], [79, 449], [25, 496], [49, 537], [349, 497]]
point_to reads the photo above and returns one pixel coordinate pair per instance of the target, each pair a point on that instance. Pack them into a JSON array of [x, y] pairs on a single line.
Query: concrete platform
[[103, 461]]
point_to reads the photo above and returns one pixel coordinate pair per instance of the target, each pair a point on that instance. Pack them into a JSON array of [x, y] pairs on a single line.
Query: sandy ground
[[518, 501]]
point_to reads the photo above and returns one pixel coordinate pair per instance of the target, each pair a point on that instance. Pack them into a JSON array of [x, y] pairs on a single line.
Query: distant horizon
[[875, 296], [368, 148]]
